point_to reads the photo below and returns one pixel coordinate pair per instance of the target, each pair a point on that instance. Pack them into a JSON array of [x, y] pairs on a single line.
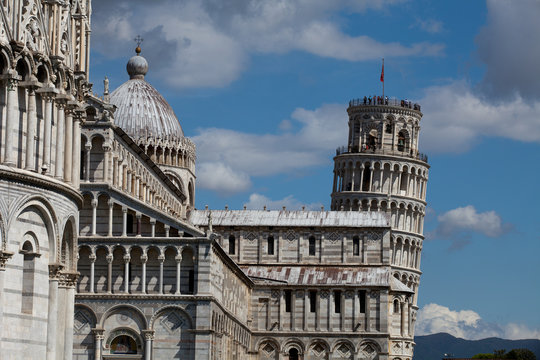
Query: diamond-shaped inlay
[[269, 350], [333, 237], [80, 321], [291, 235], [251, 236], [369, 349], [318, 350], [172, 322], [344, 351]]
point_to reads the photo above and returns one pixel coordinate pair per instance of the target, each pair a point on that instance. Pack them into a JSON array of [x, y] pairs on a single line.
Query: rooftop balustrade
[[382, 151], [385, 101]]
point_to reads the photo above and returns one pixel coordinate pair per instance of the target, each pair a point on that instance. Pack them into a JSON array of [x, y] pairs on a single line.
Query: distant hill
[[433, 347]]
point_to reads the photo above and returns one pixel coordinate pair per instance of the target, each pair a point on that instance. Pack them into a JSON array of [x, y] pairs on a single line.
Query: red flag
[[382, 72]]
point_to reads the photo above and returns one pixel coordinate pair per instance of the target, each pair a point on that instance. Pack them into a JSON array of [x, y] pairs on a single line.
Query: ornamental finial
[[139, 41]]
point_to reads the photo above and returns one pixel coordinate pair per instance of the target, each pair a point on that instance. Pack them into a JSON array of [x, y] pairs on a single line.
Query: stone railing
[[379, 100], [411, 154]]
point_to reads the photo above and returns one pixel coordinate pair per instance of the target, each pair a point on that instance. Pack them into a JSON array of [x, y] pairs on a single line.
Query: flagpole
[[383, 79]]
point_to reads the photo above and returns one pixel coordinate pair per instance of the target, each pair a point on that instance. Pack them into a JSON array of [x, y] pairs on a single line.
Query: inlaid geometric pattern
[[251, 236], [344, 351], [80, 321], [172, 322], [318, 350], [333, 237], [291, 235], [269, 350]]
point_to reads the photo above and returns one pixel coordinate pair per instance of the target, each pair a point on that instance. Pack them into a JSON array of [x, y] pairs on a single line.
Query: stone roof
[[290, 218], [141, 110], [314, 275]]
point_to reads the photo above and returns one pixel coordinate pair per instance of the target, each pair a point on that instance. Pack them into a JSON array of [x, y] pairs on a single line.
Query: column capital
[[68, 278], [152, 221], [4, 257], [148, 334], [92, 257], [110, 202], [127, 258], [124, 209], [48, 93], [109, 258], [144, 258], [94, 203], [161, 258], [178, 258], [138, 215], [98, 333], [55, 271]]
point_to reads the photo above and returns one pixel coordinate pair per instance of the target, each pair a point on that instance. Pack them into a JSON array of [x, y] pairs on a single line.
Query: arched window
[[293, 354], [312, 246], [123, 344], [232, 245], [366, 178], [356, 246], [27, 303], [270, 245], [396, 306], [372, 139], [403, 143]]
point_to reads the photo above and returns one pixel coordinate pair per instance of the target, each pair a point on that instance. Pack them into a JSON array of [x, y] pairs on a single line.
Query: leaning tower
[[382, 170]]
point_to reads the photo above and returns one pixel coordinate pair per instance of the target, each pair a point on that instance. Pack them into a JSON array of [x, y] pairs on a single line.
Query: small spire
[[139, 41]]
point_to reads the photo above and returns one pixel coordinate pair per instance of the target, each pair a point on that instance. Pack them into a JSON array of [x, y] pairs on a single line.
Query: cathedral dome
[[141, 110]]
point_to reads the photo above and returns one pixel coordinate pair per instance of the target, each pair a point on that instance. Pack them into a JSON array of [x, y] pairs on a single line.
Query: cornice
[[40, 181]]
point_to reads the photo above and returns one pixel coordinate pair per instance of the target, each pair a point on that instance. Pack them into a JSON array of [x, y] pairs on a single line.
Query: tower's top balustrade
[[384, 101]]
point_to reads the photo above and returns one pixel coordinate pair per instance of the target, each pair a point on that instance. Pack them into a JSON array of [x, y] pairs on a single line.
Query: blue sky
[[262, 88]]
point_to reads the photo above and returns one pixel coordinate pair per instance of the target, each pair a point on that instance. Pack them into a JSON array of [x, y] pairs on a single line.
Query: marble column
[[12, 115], [94, 204], [30, 159], [4, 257], [149, 338], [76, 169], [47, 130], [60, 132], [167, 229], [110, 227], [98, 340], [153, 227], [161, 259], [178, 259], [92, 258], [70, 314], [106, 162], [88, 154], [52, 319], [109, 272], [144, 259], [68, 149], [127, 258], [124, 221]]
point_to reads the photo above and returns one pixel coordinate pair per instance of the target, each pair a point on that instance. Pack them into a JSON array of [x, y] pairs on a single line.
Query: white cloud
[[467, 324], [429, 25], [507, 45], [456, 118], [221, 178], [258, 202], [321, 131], [208, 43], [466, 218]]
